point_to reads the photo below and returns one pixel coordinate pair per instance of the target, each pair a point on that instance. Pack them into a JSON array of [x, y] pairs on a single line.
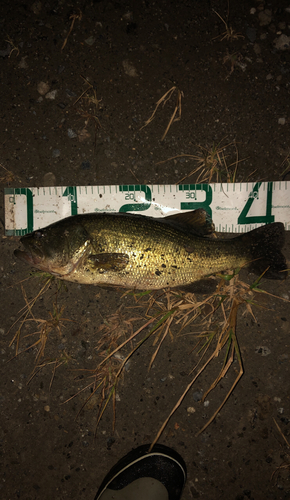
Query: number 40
[[258, 219]]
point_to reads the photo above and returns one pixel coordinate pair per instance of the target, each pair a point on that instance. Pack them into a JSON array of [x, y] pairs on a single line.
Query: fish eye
[[38, 235]]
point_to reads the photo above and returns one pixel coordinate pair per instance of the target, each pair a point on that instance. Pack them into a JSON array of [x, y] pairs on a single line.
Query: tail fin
[[266, 243]]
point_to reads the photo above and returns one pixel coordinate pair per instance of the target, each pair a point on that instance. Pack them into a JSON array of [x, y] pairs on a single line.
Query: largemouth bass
[[145, 253]]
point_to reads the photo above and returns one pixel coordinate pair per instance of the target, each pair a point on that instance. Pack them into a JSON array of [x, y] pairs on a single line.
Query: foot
[[158, 475]]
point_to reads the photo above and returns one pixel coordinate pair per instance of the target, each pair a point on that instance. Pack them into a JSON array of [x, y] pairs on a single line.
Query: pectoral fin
[[108, 261]]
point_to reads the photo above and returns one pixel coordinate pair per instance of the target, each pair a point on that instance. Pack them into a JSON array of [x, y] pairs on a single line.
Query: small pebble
[[110, 442], [263, 350], [71, 133], [265, 17], [51, 95], [128, 16], [251, 34], [47, 408], [129, 69], [282, 42], [55, 153], [85, 165], [6, 52], [49, 179], [206, 403], [90, 41], [36, 7], [43, 88], [70, 93], [281, 121], [197, 395], [83, 134], [190, 410], [23, 64]]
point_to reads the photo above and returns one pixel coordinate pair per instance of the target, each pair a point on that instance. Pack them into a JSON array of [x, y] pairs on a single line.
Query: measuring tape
[[234, 208]]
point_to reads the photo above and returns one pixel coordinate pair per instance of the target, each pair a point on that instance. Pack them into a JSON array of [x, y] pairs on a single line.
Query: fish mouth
[[34, 261], [44, 264], [26, 256]]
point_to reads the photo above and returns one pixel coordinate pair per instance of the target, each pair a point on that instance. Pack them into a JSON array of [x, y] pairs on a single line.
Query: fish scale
[[151, 245]]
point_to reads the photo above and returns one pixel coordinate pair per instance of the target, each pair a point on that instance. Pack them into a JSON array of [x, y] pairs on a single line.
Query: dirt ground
[[236, 89]]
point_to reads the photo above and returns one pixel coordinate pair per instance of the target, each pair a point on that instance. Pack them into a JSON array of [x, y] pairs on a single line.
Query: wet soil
[[128, 54]]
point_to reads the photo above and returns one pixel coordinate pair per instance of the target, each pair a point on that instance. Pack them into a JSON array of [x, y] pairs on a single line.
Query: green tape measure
[[234, 208]]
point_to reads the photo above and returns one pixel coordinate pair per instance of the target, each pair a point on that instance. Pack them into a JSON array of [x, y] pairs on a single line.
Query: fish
[[146, 253]]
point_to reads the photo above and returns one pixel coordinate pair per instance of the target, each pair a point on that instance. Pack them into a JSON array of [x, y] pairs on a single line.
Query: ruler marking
[[168, 199]]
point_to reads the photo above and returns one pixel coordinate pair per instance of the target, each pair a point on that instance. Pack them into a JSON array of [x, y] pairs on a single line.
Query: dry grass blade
[[109, 371], [106, 375], [212, 319], [229, 34], [177, 109], [13, 46], [234, 349], [283, 435], [73, 17], [231, 293], [179, 403], [286, 463], [26, 311], [128, 340], [168, 323], [176, 115], [56, 364], [212, 165], [91, 98], [55, 321], [90, 114], [236, 60], [8, 177], [286, 170]]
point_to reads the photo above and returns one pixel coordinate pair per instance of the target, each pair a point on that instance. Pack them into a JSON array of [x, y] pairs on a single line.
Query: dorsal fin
[[197, 221]]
